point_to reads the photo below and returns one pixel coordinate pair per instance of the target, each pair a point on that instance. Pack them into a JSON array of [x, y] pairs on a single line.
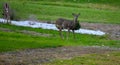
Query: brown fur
[[6, 12], [68, 24]]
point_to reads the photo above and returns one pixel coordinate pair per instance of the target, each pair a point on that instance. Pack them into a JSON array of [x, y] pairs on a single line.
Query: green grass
[[15, 40], [90, 59], [95, 11], [111, 2], [50, 10], [98, 11]]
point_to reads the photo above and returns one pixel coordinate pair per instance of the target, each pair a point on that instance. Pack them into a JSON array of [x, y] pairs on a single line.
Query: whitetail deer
[[6, 12], [68, 24]]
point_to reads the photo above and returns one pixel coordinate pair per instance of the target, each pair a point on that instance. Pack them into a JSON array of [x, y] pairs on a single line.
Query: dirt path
[[113, 30], [39, 56]]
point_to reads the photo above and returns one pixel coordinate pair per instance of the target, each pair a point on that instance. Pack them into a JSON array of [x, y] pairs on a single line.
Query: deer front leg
[[8, 17], [73, 33]]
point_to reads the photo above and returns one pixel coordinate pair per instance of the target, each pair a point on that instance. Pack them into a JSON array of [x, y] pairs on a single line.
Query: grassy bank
[[16, 40], [50, 10]]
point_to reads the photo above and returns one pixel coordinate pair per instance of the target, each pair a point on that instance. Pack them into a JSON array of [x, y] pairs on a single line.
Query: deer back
[[64, 23]]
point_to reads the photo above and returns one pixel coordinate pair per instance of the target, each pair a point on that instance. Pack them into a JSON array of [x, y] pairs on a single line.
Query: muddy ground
[[112, 30], [39, 56]]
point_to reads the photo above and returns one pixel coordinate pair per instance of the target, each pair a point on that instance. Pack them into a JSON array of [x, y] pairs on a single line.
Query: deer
[[6, 12], [73, 25]]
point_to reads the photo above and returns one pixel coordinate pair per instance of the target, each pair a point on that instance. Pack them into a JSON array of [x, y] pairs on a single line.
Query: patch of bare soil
[[113, 30], [39, 56], [5, 30], [33, 33]]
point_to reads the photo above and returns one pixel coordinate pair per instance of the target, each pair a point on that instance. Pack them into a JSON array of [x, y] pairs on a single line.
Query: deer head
[[6, 6], [75, 17]]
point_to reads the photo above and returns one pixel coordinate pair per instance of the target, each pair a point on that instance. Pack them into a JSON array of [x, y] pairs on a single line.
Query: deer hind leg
[[60, 32], [68, 33], [9, 21]]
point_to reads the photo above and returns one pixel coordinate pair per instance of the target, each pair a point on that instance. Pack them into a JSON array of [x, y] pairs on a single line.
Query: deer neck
[[75, 20]]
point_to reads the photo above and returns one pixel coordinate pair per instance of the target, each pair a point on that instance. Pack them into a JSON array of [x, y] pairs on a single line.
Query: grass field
[[16, 40], [49, 10], [97, 11]]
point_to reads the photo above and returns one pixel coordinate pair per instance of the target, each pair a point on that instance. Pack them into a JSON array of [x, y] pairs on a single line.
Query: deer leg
[[8, 16], [68, 33], [9, 19], [60, 32], [73, 33]]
